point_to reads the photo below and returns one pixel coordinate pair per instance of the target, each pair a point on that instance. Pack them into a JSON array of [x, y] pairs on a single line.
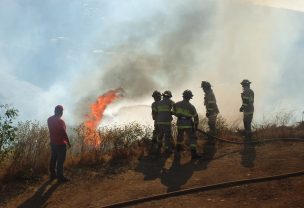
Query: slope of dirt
[[159, 174]]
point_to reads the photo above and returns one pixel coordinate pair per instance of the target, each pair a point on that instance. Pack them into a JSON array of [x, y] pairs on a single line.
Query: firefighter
[[187, 122], [163, 120], [157, 97], [211, 106], [247, 106]]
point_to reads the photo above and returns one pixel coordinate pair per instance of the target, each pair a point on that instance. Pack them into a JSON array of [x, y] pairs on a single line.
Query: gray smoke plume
[[157, 53], [219, 41], [88, 47]]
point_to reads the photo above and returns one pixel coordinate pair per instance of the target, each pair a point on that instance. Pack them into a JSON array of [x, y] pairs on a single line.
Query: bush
[[7, 130], [30, 155], [221, 124], [117, 142]]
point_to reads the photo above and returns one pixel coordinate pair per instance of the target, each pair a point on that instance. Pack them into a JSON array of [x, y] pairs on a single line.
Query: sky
[[296, 5], [70, 52]]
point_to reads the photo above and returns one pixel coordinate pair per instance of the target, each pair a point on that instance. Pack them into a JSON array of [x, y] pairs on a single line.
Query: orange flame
[[96, 115]]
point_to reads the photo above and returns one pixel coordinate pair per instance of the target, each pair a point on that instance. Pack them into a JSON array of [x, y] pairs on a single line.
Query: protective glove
[[242, 109]]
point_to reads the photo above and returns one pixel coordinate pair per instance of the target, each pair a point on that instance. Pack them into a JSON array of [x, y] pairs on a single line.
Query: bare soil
[[152, 174]]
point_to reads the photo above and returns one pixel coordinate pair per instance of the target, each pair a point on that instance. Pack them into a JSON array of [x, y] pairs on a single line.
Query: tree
[[7, 129]]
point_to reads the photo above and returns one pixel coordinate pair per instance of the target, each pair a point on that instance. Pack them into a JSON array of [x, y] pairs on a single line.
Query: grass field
[[29, 157]]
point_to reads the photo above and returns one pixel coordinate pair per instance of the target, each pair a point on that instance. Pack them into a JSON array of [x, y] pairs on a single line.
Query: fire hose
[[249, 142], [226, 184], [203, 188]]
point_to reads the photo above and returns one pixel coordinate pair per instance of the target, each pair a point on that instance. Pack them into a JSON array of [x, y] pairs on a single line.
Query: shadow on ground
[[174, 177], [248, 155], [41, 196]]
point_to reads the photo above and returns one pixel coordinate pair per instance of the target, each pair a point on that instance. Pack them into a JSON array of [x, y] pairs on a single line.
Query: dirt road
[[154, 175]]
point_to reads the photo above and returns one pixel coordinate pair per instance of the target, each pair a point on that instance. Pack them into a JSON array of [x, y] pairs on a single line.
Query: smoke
[[140, 46], [158, 52], [219, 41]]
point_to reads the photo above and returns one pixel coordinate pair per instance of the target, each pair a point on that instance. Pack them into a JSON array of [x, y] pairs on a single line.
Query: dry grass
[[281, 125], [273, 131], [120, 145], [31, 153]]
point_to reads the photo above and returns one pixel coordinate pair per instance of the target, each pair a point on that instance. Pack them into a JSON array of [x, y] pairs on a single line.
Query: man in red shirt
[[59, 140]]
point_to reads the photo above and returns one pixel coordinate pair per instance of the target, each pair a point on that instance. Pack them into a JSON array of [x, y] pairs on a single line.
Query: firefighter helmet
[[245, 82], [167, 93], [187, 94], [205, 85], [156, 94]]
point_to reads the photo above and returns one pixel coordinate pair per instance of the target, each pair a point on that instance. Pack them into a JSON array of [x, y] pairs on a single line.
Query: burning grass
[[117, 143]]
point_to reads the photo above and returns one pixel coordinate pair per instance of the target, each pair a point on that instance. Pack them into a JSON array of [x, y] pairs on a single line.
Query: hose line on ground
[[218, 185], [203, 188], [249, 142]]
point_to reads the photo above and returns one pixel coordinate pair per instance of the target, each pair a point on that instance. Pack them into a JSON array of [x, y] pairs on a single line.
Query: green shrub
[[7, 130]]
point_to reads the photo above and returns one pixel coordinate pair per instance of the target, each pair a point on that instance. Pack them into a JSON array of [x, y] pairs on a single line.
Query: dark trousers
[[191, 136], [155, 134], [212, 123], [165, 131], [247, 123], [58, 153]]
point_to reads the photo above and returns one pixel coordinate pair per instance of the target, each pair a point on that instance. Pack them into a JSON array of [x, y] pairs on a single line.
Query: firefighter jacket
[[186, 114], [154, 110], [164, 111], [247, 101], [210, 103]]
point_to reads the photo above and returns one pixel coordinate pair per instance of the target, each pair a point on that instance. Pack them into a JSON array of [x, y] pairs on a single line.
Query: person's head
[[167, 94], [206, 86], [245, 83], [156, 95], [59, 110], [187, 95]]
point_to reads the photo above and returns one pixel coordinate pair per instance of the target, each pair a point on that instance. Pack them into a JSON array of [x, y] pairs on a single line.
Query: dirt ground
[[154, 175]]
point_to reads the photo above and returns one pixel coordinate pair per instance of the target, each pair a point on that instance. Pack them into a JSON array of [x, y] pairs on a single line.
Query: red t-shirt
[[57, 130]]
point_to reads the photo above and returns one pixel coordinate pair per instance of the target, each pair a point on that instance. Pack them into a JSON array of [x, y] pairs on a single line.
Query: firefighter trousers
[[247, 119], [212, 123], [165, 131], [191, 136]]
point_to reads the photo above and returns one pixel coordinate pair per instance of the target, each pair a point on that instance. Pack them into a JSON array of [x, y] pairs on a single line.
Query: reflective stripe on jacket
[[164, 111], [210, 103], [186, 113], [248, 100]]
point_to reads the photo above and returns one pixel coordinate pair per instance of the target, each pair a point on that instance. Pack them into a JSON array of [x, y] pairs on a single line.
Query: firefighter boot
[[159, 148], [153, 147], [168, 149], [179, 147], [194, 155], [248, 135]]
